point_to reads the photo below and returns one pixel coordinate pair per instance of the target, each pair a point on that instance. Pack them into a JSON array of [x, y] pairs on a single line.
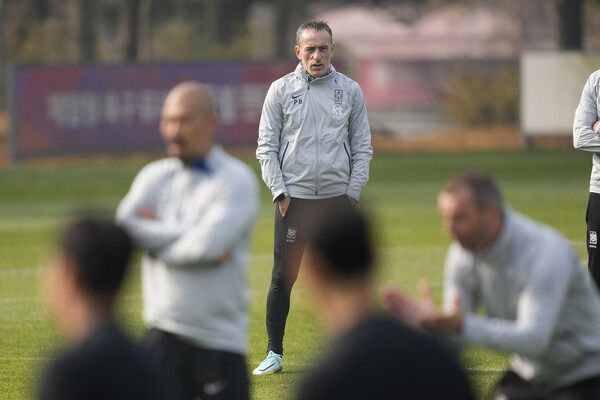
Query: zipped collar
[[303, 75]]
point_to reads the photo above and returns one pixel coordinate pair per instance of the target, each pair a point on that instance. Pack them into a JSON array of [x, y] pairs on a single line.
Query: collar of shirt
[[201, 165]]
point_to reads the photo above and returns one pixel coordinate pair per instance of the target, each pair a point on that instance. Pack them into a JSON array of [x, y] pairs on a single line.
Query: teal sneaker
[[270, 365]]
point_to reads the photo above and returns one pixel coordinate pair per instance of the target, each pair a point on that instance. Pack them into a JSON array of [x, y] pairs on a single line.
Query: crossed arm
[[208, 240]]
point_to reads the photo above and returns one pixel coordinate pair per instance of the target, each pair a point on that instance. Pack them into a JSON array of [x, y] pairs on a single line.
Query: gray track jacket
[[539, 303], [584, 138], [187, 289], [314, 139]]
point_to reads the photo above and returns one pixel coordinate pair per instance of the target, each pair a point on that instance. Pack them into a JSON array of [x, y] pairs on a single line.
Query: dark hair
[[342, 236], [483, 187], [313, 25], [100, 250]]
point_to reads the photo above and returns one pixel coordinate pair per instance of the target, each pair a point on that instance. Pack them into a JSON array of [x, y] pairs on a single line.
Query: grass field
[[400, 199]]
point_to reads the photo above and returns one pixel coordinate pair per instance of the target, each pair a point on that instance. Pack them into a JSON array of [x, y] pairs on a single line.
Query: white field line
[[20, 271], [268, 257], [14, 300], [306, 365], [250, 363]]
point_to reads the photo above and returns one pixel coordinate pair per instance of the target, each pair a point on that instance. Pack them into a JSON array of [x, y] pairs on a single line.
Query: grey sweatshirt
[[584, 138], [201, 215], [314, 139], [539, 304]]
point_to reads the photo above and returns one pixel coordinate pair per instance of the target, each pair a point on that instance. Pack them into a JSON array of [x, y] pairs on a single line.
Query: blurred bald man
[[193, 214]]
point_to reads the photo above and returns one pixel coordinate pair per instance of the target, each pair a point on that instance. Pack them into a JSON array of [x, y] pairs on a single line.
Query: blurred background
[[81, 76], [82, 81]]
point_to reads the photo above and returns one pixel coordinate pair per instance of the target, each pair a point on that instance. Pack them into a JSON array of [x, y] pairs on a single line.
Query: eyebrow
[[324, 46]]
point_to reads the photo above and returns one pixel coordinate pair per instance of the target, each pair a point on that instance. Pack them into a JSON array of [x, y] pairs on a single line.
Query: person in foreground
[[193, 215], [373, 356], [82, 282], [314, 148], [539, 304]]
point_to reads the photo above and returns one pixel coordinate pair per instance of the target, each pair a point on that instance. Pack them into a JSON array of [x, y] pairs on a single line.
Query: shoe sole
[[267, 373]]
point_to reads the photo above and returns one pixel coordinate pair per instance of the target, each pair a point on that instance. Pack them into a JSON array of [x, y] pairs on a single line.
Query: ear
[[332, 49], [297, 50], [61, 282], [493, 210], [212, 120]]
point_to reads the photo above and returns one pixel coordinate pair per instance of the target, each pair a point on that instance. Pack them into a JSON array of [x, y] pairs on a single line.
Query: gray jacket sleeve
[[586, 114], [269, 135], [538, 308], [360, 145], [149, 234], [219, 228]]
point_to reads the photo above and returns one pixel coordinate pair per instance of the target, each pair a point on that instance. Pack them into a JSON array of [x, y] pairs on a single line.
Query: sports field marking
[[12, 300], [308, 365], [20, 271], [252, 363]]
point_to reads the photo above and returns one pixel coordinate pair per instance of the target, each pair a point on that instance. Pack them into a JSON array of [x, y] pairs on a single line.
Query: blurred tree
[[2, 56], [570, 24], [227, 19], [131, 13], [87, 35], [144, 36]]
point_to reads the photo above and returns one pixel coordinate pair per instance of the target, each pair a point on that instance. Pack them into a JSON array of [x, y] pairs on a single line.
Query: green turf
[[400, 198]]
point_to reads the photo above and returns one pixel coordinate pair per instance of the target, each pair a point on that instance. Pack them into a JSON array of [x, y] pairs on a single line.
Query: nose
[[173, 129]]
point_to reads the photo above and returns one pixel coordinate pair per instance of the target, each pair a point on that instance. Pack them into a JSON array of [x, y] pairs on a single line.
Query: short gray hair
[[482, 186], [313, 25]]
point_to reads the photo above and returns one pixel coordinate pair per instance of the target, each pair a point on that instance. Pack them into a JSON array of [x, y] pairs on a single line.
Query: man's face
[[315, 50], [464, 220], [186, 130]]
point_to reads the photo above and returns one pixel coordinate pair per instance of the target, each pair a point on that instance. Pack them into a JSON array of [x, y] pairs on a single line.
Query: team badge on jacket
[[338, 95], [338, 98], [593, 239]]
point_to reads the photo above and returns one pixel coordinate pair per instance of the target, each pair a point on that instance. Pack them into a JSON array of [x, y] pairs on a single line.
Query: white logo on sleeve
[[593, 239], [291, 234]]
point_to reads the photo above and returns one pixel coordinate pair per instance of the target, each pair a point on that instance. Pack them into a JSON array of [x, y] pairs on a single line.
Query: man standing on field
[[314, 148], [193, 215], [586, 126]]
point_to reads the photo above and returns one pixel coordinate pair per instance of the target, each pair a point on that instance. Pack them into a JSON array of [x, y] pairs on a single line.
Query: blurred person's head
[[315, 47], [471, 206], [85, 274], [340, 264], [188, 121]]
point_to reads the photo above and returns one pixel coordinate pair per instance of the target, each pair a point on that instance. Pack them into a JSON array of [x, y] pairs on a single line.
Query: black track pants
[[289, 247], [592, 218]]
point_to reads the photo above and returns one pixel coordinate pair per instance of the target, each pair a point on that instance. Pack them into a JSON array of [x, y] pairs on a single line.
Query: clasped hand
[[422, 313]]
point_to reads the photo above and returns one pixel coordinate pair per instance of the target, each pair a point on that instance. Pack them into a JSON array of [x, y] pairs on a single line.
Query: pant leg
[[513, 387], [592, 219], [288, 250], [290, 239], [220, 375], [170, 357], [582, 390]]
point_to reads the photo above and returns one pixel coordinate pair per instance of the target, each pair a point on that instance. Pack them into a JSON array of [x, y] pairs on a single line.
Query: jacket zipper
[[318, 153], [283, 155], [349, 158]]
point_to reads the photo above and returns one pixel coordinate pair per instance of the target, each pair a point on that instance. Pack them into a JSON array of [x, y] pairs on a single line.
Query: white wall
[[551, 85]]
